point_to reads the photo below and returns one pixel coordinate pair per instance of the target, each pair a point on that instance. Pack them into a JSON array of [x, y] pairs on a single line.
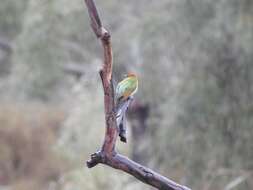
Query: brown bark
[[107, 155]]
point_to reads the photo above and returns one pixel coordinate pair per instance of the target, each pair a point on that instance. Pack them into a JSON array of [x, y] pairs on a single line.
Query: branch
[[106, 77], [142, 173], [236, 182], [95, 21], [108, 155]]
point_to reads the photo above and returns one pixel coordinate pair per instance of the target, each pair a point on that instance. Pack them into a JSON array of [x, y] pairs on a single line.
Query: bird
[[124, 96]]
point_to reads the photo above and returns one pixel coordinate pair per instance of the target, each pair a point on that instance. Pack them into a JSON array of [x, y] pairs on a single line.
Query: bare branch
[[108, 155], [142, 173], [95, 20], [236, 182], [106, 76]]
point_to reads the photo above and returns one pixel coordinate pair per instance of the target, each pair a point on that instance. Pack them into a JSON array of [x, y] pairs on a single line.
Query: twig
[[235, 182]]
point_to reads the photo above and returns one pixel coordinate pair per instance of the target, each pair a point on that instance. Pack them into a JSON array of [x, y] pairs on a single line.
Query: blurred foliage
[[194, 60]]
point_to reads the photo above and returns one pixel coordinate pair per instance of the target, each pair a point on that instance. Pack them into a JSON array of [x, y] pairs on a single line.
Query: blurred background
[[192, 120]]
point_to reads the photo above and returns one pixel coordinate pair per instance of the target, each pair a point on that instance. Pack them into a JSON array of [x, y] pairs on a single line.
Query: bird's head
[[131, 74]]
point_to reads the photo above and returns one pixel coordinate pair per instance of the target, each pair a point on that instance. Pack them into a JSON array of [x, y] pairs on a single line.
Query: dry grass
[[27, 135]]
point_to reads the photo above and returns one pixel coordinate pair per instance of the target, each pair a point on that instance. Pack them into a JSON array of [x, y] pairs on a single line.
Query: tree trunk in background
[[138, 115]]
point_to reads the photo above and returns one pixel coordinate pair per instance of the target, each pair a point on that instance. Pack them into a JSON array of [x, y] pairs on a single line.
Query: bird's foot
[[122, 135], [123, 139]]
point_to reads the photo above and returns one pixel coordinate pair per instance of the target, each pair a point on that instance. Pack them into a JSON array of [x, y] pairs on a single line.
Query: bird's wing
[[121, 109], [126, 88], [122, 87]]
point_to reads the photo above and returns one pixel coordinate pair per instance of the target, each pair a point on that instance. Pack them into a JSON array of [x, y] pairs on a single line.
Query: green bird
[[124, 96]]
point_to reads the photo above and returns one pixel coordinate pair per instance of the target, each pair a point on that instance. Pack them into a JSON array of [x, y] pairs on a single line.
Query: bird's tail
[[122, 129], [121, 109]]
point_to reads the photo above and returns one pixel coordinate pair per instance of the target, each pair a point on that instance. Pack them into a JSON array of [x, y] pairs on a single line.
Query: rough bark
[[107, 155]]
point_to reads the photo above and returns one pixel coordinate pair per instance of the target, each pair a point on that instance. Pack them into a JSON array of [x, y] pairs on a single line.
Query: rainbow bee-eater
[[124, 95]]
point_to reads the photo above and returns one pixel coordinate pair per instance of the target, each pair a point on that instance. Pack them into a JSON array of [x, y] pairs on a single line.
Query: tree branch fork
[[107, 155]]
